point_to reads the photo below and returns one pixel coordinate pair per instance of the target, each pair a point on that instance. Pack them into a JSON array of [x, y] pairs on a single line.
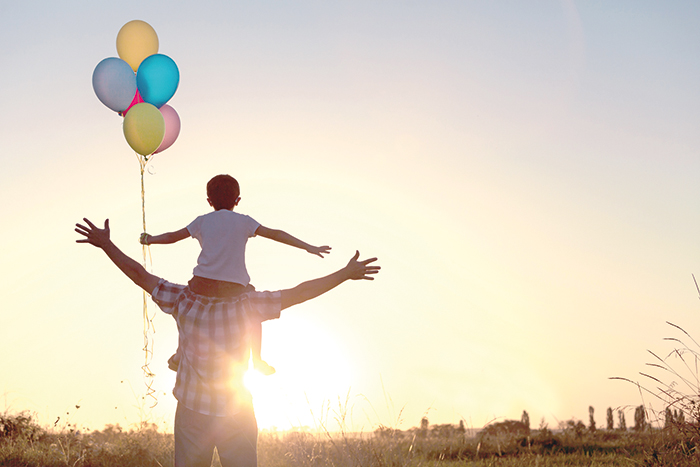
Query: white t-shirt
[[222, 235]]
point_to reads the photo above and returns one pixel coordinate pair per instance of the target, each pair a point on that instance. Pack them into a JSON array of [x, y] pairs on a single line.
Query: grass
[[24, 443], [673, 439], [674, 382]]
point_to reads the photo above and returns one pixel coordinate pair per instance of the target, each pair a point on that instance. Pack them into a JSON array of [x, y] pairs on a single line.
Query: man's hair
[[223, 191]]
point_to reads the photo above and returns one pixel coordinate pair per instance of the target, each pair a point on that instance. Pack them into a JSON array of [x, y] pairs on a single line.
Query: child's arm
[[284, 237], [169, 237]]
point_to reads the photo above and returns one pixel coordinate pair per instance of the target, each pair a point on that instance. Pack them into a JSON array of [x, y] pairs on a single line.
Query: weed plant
[[677, 389]]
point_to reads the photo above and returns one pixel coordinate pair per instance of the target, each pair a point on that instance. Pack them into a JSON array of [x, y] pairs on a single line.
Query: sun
[[310, 374]]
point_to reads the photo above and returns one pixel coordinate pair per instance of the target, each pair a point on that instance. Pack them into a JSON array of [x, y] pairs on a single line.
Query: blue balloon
[[114, 83], [157, 79]]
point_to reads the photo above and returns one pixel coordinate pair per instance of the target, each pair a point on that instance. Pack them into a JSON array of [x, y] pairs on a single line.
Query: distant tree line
[[523, 425]]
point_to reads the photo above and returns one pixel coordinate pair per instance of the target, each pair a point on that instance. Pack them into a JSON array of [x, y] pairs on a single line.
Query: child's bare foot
[[263, 367]]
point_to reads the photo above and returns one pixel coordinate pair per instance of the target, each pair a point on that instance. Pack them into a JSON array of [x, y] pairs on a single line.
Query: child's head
[[223, 192]]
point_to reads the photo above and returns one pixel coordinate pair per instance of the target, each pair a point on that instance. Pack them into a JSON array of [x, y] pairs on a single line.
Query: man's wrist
[[345, 274]]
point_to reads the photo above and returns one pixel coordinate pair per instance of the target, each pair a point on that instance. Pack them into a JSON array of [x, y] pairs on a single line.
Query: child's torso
[[222, 236]]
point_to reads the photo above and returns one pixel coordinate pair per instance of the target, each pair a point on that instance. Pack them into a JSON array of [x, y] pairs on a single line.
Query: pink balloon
[[172, 127], [136, 100]]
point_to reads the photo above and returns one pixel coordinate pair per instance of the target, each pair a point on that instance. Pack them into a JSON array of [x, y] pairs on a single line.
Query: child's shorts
[[215, 288]]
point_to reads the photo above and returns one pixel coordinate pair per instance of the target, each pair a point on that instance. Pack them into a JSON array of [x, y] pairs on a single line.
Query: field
[[672, 439], [509, 443]]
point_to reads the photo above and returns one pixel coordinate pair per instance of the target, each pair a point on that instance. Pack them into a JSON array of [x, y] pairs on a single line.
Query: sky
[[526, 173]]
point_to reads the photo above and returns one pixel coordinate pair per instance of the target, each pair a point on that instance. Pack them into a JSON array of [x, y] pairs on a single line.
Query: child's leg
[[256, 347], [256, 340]]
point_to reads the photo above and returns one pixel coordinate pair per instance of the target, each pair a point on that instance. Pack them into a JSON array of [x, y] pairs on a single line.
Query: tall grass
[[675, 386], [23, 443]]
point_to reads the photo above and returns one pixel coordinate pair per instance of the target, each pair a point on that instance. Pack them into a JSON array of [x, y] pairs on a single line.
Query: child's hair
[[223, 191]]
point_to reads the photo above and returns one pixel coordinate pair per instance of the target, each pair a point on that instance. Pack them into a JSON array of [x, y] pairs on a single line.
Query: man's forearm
[[313, 288], [132, 269], [354, 270], [100, 238]]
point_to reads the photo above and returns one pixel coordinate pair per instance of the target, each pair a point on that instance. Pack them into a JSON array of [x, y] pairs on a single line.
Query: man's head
[[223, 192]]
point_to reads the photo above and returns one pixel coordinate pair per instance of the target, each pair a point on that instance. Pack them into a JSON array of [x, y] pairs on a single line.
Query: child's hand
[[143, 239], [319, 250]]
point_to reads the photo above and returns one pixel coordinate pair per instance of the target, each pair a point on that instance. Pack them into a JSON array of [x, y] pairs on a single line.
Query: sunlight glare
[[310, 372]]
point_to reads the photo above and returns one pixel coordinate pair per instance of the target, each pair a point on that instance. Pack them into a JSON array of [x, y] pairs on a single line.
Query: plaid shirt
[[214, 346]]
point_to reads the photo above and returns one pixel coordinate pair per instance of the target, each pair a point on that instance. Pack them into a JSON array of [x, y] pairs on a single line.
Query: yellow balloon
[[144, 128], [136, 40]]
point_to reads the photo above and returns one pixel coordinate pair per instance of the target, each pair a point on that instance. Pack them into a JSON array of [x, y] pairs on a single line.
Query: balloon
[[136, 40], [157, 79], [114, 83], [136, 100], [144, 128], [172, 127]]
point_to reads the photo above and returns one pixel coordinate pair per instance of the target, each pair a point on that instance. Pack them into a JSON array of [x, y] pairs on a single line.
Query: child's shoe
[[174, 362], [263, 367]]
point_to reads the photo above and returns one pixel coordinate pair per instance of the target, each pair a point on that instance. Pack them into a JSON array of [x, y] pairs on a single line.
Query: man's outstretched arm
[[354, 270], [133, 270]]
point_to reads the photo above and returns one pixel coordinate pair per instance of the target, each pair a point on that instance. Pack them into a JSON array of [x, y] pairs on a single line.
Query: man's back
[[213, 338]]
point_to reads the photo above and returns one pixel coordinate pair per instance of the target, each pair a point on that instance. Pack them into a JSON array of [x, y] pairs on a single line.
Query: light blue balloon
[[114, 83], [157, 79]]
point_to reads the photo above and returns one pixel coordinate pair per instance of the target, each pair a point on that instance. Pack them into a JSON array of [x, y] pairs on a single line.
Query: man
[[214, 407]]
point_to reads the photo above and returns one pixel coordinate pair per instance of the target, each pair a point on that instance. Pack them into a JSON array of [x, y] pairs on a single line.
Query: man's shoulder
[[170, 286], [166, 291], [264, 294], [267, 304]]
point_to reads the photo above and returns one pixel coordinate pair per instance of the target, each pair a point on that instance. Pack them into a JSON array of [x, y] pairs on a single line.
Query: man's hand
[[93, 235], [319, 250], [133, 270], [356, 270]]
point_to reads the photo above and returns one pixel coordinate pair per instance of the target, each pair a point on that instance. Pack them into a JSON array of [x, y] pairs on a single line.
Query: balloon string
[[148, 327]]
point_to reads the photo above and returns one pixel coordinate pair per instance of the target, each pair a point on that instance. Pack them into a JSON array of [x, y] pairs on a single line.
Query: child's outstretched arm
[[284, 237], [169, 237], [355, 270]]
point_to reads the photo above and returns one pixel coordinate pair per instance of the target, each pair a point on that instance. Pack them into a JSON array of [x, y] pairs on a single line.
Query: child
[[222, 235]]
